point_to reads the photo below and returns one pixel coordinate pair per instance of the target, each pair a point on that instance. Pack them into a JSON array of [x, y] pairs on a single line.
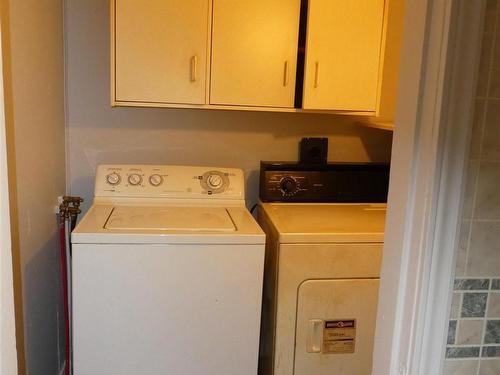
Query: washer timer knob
[[215, 181], [288, 185], [113, 178]]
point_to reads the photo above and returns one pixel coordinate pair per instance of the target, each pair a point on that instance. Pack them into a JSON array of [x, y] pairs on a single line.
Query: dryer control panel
[[169, 181], [333, 182]]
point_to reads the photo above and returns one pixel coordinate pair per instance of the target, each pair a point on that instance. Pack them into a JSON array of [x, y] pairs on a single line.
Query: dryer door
[[335, 327]]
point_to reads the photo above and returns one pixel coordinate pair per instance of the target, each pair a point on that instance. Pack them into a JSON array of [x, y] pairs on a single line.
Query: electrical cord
[[253, 208]]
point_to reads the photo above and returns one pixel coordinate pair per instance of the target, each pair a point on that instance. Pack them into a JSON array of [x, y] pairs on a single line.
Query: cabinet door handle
[[314, 336], [194, 68], [316, 75], [285, 74]]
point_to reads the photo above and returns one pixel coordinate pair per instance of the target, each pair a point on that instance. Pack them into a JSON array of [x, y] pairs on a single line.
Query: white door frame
[[435, 104], [8, 354]]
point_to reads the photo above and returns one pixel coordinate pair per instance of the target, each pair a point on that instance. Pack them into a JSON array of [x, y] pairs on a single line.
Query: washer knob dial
[[215, 181], [288, 185], [113, 178], [134, 179], [155, 180]]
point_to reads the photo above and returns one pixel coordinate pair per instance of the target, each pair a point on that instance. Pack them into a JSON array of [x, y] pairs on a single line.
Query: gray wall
[[98, 133], [34, 103], [474, 335]]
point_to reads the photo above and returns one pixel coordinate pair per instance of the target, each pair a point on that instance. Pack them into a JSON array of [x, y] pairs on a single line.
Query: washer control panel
[[169, 181]]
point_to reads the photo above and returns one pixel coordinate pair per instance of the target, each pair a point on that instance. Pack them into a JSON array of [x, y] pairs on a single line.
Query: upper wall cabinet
[[254, 52], [160, 50], [343, 54], [340, 56]]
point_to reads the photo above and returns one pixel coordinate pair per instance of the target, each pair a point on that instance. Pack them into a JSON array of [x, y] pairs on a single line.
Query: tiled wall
[[474, 333]]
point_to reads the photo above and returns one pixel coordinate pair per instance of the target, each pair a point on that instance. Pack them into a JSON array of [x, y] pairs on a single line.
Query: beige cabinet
[[254, 52], [388, 86], [343, 55], [160, 51], [245, 54]]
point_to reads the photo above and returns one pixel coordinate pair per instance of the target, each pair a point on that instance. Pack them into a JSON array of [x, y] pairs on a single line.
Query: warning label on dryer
[[339, 336]]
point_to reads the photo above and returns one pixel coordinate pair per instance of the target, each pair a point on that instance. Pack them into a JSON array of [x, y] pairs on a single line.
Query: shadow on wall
[[42, 286], [34, 116], [213, 138], [12, 176], [198, 124]]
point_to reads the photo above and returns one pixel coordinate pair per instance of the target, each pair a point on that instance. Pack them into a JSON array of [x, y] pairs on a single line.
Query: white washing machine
[[322, 267], [167, 274]]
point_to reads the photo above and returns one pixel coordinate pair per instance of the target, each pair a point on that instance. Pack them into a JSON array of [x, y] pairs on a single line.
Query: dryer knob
[[288, 185]]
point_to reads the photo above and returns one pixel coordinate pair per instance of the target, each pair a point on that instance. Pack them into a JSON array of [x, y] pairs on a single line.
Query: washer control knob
[[155, 180], [134, 179], [113, 178], [288, 185], [215, 181]]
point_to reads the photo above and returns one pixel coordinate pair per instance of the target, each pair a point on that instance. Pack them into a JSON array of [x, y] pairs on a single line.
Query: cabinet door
[[343, 54], [254, 52], [161, 50]]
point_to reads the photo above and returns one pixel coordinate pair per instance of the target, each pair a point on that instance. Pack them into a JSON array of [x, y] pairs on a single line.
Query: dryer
[[167, 272], [322, 266]]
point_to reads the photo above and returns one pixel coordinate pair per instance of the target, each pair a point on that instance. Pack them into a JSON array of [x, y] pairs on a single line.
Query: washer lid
[[213, 219]]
